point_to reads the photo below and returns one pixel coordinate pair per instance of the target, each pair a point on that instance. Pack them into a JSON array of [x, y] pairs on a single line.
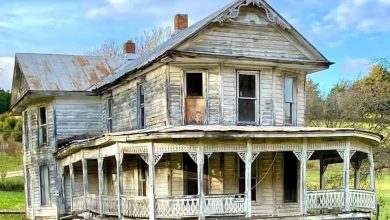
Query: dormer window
[[42, 123], [289, 101], [109, 115], [141, 106]]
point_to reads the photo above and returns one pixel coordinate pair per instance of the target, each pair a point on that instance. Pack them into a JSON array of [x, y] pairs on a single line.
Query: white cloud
[[115, 7], [357, 66], [359, 15], [6, 72]]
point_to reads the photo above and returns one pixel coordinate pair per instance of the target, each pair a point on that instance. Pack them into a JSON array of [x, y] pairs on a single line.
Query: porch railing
[[110, 205], [361, 199], [225, 204], [325, 199], [93, 203], [177, 207], [78, 203], [135, 207]]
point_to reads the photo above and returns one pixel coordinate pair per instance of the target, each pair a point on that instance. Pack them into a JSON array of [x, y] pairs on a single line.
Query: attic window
[[42, 120], [194, 84]]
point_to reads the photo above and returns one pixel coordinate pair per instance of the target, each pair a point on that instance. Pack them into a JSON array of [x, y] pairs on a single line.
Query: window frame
[[26, 129], [203, 73], [42, 142], [255, 73], [110, 102], [141, 106], [293, 103], [47, 189]]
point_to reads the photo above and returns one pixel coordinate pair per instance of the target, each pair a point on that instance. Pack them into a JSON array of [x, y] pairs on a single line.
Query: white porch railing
[[93, 203], [225, 204], [361, 199], [325, 199], [177, 207], [135, 207], [78, 203], [110, 205]]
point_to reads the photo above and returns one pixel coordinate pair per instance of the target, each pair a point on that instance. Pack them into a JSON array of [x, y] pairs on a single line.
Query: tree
[[5, 101], [314, 104], [145, 42]]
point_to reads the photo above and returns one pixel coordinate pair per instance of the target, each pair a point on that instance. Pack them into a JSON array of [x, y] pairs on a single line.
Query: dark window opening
[[194, 84], [142, 177], [42, 137], [44, 182], [141, 106], [247, 98], [288, 101], [109, 115], [242, 178], [290, 177], [190, 173]]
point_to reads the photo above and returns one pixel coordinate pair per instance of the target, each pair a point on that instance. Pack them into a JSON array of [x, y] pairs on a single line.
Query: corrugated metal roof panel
[[54, 72]]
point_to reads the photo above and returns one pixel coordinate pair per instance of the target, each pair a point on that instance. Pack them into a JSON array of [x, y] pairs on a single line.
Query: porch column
[[347, 153], [152, 203], [372, 170], [248, 177], [200, 163], [356, 177], [323, 167], [85, 180], [303, 160], [71, 185], [101, 187], [119, 159]]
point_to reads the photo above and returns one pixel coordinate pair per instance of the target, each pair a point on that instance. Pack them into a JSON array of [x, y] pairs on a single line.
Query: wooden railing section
[[177, 207], [135, 207], [93, 203], [361, 199], [225, 205], [78, 203], [110, 205], [325, 199]]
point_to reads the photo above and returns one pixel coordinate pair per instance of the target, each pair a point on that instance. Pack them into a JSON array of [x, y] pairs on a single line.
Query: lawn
[[11, 200], [383, 192]]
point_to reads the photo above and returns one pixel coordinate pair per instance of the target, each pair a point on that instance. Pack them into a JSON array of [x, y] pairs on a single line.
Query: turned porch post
[[85, 180], [200, 163], [356, 166], [347, 153], [101, 187], [248, 177], [372, 170], [303, 160], [119, 160], [71, 184], [152, 203], [323, 167]]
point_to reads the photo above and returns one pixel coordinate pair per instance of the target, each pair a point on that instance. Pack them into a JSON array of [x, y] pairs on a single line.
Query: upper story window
[[247, 97], [195, 103], [26, 130], [42, 123], [289, 101], [141, 106], [109, 115]]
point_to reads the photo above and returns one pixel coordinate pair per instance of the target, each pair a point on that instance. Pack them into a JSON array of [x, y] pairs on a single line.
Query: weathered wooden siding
[[216, 173], [161, 177], [266, 98], [213, 96], [124, 106], [93, 178], [175, 95], [35, 156], [77, 115], [301, 100], [67, 191], [229, 97], [278, 92], [176, 163], [130, 175], [230, 174]]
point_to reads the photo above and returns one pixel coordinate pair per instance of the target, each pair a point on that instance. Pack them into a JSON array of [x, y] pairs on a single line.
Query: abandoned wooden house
[[209, 124]]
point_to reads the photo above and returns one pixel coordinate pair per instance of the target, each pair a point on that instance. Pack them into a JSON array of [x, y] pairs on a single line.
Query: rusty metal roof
[[54, 72]]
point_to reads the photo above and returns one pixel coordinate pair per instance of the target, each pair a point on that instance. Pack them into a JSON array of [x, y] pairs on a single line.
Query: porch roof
[[216, 131]]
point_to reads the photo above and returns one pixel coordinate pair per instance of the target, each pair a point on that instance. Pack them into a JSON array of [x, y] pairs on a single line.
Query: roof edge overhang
[[235, 132], [33, 95]]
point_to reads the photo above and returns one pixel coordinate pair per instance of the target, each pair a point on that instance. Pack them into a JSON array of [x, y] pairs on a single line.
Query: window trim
[[48, 202], [139, 106], [40, 126], [110, 102], [294, 103], [204, 91], [26, 129], [256, 73]]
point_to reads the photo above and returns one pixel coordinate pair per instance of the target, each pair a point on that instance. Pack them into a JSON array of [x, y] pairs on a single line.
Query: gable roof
[[225, 14], [53, 72]]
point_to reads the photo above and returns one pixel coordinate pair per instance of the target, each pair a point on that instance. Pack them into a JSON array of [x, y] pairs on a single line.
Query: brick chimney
[[180, 22], [129, 50]]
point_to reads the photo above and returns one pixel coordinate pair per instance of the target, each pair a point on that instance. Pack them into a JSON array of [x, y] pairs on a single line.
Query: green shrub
[[12, 184]]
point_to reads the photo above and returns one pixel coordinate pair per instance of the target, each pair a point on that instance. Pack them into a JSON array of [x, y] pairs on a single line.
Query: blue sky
[[349, 32]]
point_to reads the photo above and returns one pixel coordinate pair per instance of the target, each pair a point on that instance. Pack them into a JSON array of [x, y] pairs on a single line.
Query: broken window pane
[[194, 84], [246, 110], [247, 85], [42, 115]]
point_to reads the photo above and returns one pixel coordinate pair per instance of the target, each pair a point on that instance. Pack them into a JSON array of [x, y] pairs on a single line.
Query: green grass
[[12, 217], [383, 192], [11, 200], [11, 163]]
